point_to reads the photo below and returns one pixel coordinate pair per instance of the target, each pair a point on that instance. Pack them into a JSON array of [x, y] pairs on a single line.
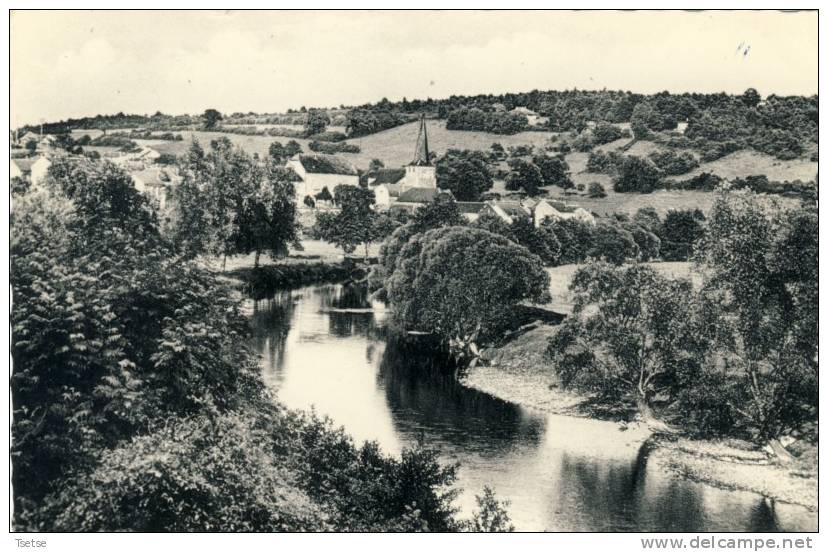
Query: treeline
[[136, 405], [734, 357], [493, 121]]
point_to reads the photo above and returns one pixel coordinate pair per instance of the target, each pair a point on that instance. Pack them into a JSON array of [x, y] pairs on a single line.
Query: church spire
[[421, 153]]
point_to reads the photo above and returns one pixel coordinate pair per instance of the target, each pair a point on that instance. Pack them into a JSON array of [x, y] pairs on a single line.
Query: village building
[[317, 171], [156, 184], [416, 198], [507, 211], [39, 170], [470, 209], [532, 117], [420, 173], [558, 210], [20, 168]]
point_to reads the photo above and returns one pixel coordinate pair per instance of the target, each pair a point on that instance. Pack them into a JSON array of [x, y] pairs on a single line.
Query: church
[[420, 173]]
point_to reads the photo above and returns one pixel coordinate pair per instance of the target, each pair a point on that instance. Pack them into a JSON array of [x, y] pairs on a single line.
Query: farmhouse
[[558, 210], [415, 198], [318, 171], [531, 116], [507, 211], [39, 170], [20, 168], [156, 184]]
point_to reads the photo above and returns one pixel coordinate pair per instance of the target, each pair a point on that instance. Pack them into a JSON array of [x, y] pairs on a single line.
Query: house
[[550, 209], [531, 116], [507, 211], [318, 170], [156, 183], [39, 170], [470, 209], [20, 168], [137, 160], [386, 176], [412, 199], [681, 127], [382, 195]]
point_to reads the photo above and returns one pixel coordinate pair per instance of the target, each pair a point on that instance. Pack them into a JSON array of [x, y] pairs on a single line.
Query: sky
[[81, 63]]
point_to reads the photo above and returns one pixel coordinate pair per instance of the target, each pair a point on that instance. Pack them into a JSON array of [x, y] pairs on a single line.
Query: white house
[[533, 118], [558, 210], [40, 169], [318, 171], [156, 184], [382, 195], [17, 168]]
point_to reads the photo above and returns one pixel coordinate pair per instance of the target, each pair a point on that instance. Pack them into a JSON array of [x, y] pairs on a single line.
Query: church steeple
[[421, 153]]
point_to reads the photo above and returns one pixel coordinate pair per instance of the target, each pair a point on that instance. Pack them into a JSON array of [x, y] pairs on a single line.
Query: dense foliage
[[136, 405], [228, 203], [460, 282], [465, 173]]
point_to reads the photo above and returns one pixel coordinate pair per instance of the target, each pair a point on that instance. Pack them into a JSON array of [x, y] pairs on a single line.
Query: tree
[[751, 97], [612, 243], [277, 152], [375, 165], [680, 231], [637, 175], [211, 118], [555, 170], [292, 148], [540, 241], [525, 176], [763, 267], [465, 173], [632, 334], [354, 224], [309, 202], [31, 146], [267, 217], [461, 283], [324, 195], [596, 190], [317, 121], [442, 211]]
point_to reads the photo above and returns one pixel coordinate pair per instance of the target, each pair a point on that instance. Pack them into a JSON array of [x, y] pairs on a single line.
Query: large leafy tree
[[211, 118], [524, 175], [461, 283], [633, 334], [228, 203], [763, 271], [555, 170], [465, 173]]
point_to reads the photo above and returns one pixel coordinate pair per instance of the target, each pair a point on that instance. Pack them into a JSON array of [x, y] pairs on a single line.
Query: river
[[321, 348]]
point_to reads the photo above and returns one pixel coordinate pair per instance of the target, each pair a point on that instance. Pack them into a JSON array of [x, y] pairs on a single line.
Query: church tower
[[420, 173]]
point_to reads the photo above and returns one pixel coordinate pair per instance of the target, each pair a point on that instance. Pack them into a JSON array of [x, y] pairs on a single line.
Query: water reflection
[[321, 348]]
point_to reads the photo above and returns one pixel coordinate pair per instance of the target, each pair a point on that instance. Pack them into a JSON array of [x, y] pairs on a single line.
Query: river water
[[320, 349]]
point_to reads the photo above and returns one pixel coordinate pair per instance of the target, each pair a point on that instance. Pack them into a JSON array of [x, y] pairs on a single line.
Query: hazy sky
[[71, 64]]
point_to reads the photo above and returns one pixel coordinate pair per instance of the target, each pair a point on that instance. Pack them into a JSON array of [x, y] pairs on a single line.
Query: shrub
[[596, 190], [333, 147], [637, 175]]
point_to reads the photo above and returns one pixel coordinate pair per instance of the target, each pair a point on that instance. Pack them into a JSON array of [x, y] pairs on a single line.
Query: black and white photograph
[[402, 271]]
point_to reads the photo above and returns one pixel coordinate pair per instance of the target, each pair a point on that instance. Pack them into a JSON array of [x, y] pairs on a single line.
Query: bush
[[604, 133], [672, 163], [596, 190], [333, 147], [637, 175]]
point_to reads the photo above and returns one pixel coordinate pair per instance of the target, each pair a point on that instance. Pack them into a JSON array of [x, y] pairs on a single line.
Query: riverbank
[[518, 372]]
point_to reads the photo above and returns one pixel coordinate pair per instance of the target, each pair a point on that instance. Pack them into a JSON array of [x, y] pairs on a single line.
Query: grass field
[[747, 163]]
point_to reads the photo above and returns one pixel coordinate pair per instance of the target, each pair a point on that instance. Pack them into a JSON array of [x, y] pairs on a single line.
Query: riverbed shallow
[[322, 348]]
